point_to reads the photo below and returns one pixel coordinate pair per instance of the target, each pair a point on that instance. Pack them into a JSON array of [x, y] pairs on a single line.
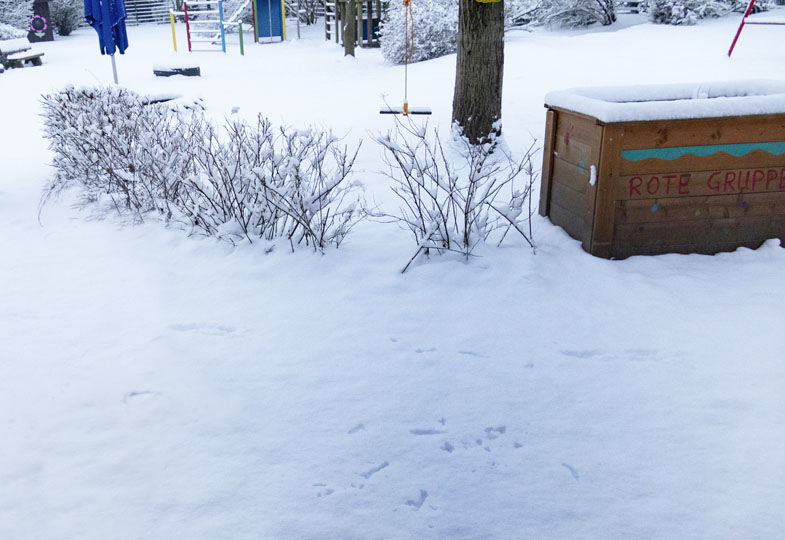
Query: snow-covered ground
[[154, 386]]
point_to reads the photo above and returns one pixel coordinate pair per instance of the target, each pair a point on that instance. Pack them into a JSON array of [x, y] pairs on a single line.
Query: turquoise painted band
[[737, 150]]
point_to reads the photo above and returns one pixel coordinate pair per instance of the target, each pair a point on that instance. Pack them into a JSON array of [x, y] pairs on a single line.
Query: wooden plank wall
[[698, 204], [691, 186], [572, 148]]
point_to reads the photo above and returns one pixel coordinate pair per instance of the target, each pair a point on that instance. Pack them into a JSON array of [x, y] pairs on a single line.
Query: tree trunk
[[349, 30], [477, 102]]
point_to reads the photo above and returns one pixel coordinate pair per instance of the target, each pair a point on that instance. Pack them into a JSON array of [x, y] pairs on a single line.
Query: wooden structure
[[41, 25], [204, 25], [369, 15], [15, 53], [147, 11], [629, 177]]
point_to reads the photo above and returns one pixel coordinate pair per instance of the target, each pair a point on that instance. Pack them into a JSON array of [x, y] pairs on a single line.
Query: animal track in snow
[[573, 471], [418, 503], [203, 328], [491, 432], [447, 447], [139, 393], [472, 353], [420, 351], [355, 429], [581, 354], [369, 473], [323, 492], [426, 431]]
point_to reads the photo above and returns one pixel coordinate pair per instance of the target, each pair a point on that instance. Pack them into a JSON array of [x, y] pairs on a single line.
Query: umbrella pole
[[114, 69]]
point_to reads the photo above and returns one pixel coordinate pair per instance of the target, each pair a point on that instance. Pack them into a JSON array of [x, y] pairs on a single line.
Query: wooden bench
[[17, 52], [19, 59]]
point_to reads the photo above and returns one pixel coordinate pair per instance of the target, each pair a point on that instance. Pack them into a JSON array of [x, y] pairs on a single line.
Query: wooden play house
[[368, 13], [666, 169]]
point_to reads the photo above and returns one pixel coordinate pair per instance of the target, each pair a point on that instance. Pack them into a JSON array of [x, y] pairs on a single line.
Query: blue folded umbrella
[[108, 19]]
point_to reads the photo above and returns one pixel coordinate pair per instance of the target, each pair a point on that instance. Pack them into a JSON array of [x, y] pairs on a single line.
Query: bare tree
[[349, 29], [477, 102]]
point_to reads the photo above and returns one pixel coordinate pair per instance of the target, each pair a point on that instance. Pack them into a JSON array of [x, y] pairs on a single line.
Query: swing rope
[[408, 55], [408, 23]]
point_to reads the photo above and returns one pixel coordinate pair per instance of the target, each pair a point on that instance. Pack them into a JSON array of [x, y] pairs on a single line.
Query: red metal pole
[[188, 28], [738, 32]]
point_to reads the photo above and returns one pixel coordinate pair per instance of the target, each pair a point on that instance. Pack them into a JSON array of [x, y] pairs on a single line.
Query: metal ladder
[[202, 31]]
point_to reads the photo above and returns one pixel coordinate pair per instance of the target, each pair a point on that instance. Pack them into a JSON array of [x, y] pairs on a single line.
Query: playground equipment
[[213, 30], [269, 19], [201, 30], [369, 14], [744, 22], [409, 48]]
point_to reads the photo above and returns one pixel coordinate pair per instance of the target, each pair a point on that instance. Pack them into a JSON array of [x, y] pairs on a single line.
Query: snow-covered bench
[[16, 52]]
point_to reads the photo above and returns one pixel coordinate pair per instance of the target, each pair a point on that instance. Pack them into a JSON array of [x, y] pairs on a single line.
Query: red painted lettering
[[684, 184], [635, 185], [782, 178], [714, 185], [771, 176], [653, 185], [746, 185], [757, 176], [730, 177], [668, 179]]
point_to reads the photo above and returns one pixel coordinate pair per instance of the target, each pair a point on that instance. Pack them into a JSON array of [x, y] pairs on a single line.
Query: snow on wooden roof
[[673, 101]]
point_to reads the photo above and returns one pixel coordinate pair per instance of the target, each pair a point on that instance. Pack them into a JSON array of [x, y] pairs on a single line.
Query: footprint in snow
[[140, 393], [418, 503], [573, 471], [367, 474], [323, 492], [491, 432], [472, 353], [581, 354], [426, 431], [203, 328]]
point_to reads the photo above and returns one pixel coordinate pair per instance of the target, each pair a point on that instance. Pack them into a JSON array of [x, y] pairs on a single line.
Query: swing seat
[[412, 110]]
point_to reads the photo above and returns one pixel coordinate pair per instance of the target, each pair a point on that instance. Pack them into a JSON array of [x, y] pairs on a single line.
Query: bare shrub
[[245, 182], [449, 207]]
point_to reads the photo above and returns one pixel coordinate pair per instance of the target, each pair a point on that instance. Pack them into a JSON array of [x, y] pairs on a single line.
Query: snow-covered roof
[[673, 101]]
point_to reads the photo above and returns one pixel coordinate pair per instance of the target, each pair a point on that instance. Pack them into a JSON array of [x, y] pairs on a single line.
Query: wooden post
[[174, 36], [255, 22], [547, 163], [338, 20]]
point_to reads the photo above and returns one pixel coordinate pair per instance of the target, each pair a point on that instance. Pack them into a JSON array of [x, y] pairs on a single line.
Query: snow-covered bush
[[435, 31], [16, 13], [563, 13], [691, 11], [10, 32], [66, 15], [269, 183], [141, 159], [241, 9], [455, 197], [519, 12], [306, 10]]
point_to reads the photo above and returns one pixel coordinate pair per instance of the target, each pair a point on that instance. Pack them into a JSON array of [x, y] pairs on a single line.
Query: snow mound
[[673, 101]]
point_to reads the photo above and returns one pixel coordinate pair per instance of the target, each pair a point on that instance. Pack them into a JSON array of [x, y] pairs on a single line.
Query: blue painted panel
[[270, 19]]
